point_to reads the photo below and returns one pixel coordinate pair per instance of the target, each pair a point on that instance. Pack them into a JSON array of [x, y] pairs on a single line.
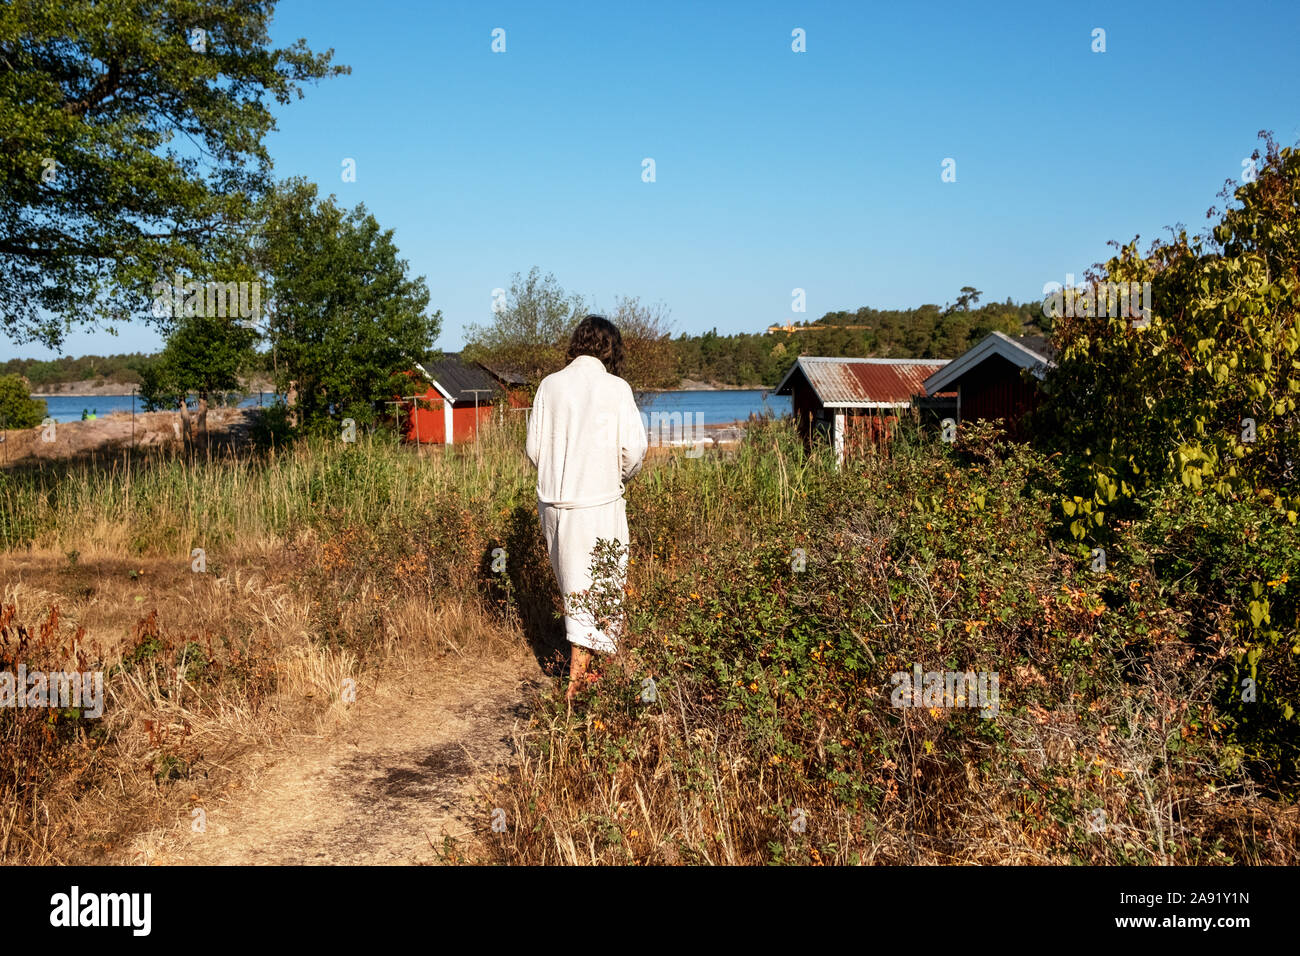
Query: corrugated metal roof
[[863, 382]]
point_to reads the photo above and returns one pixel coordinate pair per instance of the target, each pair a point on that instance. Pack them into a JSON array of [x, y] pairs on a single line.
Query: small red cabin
[[990, 379], [855, 402], [458, 399]]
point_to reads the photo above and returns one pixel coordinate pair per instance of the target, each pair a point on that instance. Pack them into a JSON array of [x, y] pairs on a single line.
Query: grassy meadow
[[748, 719]]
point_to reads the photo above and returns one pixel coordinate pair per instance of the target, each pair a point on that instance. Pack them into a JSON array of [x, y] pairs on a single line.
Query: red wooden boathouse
[[997, 379], [855, 402]]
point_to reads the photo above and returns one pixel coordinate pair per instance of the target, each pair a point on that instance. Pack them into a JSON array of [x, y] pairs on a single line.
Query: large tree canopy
[[130, 142], [345, 321]]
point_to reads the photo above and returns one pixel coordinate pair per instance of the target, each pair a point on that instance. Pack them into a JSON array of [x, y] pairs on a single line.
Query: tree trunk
[[202, 428], [186, 433]]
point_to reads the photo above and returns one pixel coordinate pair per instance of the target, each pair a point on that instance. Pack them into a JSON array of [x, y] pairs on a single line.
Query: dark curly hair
[[596, 335]]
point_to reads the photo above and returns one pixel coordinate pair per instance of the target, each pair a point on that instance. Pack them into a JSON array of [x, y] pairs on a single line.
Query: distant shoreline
[[690, 385], [107, 391], [105, 394], [125, 391], [92, 391]]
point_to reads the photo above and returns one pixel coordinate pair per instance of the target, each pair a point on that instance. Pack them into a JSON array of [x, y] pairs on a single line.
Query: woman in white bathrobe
[[586, 438]]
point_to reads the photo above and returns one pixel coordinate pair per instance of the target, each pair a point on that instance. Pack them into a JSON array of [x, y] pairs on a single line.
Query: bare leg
[[578, 661]]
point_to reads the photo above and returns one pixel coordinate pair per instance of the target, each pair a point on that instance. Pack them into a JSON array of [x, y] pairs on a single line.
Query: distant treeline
[[122, 369], [114, 369], [929, 331], [755, 359]]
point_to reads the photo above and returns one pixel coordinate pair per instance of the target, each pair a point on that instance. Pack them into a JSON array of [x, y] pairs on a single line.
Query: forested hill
[[929, 331], [755, 359], [66, 369]]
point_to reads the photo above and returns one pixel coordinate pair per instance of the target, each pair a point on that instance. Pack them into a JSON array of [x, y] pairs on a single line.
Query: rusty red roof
[[862, 382]]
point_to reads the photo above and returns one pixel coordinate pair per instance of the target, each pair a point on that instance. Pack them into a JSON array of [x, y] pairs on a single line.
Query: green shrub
[[271, 426], [17, 408], [757, 691], [1204, 389], [1228, 564], [1180, 435]]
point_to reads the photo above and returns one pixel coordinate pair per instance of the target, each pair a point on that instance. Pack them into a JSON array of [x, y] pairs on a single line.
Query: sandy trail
[[399, 773]]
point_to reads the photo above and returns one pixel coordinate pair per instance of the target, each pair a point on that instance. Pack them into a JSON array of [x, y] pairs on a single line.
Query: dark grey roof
[[507, 375], [1031, 352], [1038, 344], [459, 380]]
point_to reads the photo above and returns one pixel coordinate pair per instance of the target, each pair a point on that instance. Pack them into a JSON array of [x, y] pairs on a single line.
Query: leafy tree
[[651, 359], [204, 354], [1192, 401], [530, 328], [17, 408], [132, 142], [1204, 389], [344, 320], [968, 299]]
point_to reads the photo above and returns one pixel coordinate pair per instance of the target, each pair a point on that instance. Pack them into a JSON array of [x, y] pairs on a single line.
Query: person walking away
[[586, 438]]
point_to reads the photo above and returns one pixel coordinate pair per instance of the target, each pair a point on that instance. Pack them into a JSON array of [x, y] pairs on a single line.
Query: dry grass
[[172, 734], [366, 568]]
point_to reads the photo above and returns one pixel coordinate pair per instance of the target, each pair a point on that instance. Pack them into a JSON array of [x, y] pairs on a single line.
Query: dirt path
[[400, 773]]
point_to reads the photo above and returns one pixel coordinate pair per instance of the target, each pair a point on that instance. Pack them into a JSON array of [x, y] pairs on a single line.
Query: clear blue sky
[[775, 169]]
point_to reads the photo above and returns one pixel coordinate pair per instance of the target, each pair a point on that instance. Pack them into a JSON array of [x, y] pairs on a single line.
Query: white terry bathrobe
[[586, 438]]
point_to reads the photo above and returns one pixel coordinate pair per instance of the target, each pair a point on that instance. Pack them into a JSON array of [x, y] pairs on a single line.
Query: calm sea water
[[68, 408], [715, 407], [709, 407]]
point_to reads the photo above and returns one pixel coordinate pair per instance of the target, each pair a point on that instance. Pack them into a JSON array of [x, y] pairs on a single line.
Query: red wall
[[996, 389], [863, 428], [428, 421], [803, 402]]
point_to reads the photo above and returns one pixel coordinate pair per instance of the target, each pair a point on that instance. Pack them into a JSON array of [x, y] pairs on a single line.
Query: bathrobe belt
[[592, 503]]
